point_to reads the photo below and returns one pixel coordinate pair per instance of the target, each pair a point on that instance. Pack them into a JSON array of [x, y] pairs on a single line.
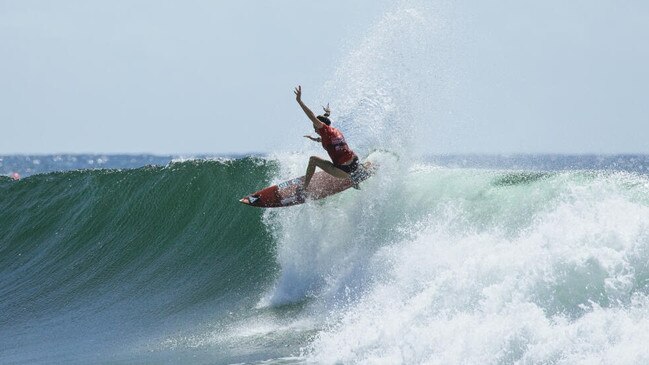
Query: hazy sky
[[217, 77]]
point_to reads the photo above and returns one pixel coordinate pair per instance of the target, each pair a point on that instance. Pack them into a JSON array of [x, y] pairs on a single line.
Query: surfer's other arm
[[314, 139], [298, 96]]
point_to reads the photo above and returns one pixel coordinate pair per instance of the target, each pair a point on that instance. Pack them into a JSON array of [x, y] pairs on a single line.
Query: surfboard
[[321, 186]]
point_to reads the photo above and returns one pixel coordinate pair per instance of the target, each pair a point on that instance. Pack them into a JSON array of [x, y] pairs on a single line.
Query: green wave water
[[92, 259]]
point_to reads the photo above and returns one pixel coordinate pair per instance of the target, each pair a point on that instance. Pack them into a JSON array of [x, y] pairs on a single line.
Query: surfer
[[344, 161]]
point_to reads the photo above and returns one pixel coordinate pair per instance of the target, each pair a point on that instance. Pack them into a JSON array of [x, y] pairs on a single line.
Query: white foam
[[565, 289]]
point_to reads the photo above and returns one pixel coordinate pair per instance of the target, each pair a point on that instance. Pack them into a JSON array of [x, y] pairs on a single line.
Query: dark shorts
[[349, 168]]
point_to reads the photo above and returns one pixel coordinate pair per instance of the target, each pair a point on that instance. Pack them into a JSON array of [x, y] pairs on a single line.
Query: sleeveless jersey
[[334, 142]]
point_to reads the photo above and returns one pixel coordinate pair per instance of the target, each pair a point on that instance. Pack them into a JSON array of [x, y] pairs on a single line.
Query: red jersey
[[334, 142]]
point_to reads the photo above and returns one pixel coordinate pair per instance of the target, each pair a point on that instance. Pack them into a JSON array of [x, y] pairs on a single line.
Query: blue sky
[[217, 77]]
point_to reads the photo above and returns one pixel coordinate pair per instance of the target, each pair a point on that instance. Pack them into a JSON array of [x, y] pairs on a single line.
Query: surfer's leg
[[326, 166]]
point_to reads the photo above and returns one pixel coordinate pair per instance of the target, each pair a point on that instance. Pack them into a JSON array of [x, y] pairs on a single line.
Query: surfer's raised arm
[[298, 96]]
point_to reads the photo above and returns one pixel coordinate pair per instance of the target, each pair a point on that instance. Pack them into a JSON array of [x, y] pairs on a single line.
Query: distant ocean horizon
[[30, 164]]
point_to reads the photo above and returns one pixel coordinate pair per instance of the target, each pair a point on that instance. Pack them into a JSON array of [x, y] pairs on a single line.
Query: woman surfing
[[344, 162]]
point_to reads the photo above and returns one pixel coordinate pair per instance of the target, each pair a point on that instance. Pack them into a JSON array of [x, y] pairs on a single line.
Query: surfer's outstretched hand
[[298, 93]]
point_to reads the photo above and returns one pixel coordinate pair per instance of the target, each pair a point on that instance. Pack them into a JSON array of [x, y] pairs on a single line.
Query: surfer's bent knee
[[314, 160]]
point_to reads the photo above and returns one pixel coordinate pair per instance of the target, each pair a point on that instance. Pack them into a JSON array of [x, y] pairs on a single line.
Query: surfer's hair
[[325, 117]]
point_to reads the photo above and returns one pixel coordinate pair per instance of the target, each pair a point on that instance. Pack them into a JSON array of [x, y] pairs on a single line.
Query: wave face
[[425, 264], [93, 261]]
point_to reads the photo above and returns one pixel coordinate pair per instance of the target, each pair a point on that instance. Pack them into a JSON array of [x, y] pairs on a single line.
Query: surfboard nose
[[245, 200]]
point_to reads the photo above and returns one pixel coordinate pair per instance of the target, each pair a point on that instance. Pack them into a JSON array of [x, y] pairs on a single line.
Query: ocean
[[467, 259]]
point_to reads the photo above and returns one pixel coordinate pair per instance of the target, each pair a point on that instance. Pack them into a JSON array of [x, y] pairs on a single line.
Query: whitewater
[[526, 259]]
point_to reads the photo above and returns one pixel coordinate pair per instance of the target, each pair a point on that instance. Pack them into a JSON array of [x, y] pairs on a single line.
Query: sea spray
[[381, 90], [324, 250], [322, 245]]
